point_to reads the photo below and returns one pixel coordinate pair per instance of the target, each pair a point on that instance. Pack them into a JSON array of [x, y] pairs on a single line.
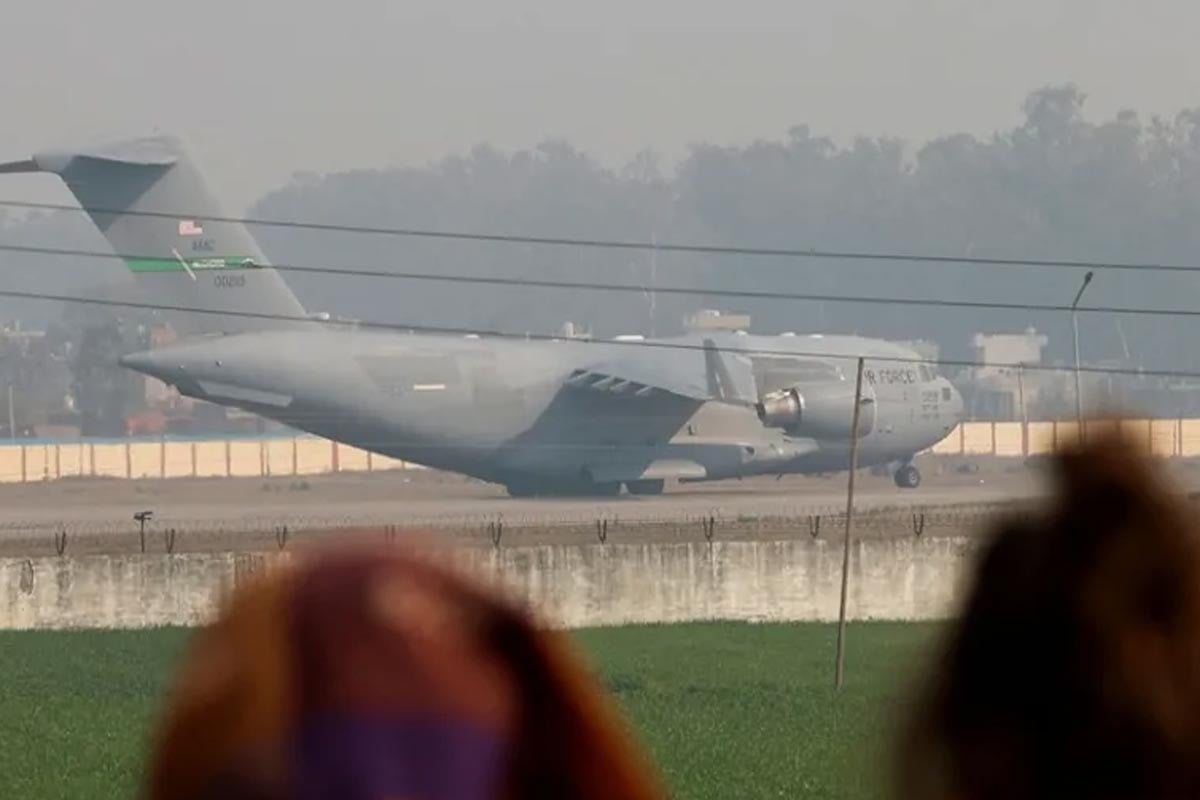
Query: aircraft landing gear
[[521, 490], [645, 487], [907, 476], [564, 489]]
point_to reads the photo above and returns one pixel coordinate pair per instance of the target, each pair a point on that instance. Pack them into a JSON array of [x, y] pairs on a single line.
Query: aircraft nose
[[154, 364], [139, 362]]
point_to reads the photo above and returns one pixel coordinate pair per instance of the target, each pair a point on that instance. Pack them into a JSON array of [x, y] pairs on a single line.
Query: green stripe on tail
[[192, 264]]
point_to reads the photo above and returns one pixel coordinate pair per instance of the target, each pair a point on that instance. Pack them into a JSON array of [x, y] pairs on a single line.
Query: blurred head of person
[[372, 673], [1074, 669]]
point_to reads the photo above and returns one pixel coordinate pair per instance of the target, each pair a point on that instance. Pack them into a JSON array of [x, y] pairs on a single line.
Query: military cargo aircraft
[[541, 417]]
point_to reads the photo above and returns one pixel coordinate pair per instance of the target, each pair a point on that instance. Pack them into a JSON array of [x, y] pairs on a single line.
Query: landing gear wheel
[[645, 487], [907, 477]]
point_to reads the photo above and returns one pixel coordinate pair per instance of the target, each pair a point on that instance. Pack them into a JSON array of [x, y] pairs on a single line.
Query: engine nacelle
[[819, 410]]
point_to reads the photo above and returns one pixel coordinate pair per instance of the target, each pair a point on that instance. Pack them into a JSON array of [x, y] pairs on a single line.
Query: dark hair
[[1074, 669]]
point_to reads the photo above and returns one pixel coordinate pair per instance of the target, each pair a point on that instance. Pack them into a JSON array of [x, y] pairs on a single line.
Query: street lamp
[[1087, 279]]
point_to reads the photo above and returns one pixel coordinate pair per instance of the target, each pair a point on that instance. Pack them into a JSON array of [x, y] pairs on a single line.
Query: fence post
[[841, 631], [141, 517]]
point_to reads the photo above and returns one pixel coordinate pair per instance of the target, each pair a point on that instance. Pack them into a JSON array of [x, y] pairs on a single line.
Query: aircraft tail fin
[[153, 205]]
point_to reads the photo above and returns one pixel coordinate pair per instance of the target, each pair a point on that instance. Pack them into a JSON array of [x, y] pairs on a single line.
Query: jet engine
[[820, 410]]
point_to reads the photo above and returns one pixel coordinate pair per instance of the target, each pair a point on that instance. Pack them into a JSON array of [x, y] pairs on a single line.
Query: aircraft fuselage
[[504, 410]]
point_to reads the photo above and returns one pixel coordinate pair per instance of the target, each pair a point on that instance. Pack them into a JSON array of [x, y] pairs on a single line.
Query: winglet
[[721, 383]]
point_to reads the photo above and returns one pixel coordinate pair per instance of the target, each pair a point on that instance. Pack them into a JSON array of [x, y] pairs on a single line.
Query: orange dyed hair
[[376, 631]]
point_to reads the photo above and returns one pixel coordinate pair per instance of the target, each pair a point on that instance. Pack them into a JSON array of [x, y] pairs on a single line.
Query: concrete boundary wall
[[1162, 437], [566, 585], [201, 458], [308, 455]]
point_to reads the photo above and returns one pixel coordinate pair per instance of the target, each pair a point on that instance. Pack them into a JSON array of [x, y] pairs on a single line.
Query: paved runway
[[432, 500]]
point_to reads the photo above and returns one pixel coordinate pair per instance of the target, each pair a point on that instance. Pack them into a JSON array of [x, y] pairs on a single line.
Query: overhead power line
[[642, 289], [510, 335], [630, 244]]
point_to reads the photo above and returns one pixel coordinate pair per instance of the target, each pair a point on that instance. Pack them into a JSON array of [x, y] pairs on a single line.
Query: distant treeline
[[1055, 186]]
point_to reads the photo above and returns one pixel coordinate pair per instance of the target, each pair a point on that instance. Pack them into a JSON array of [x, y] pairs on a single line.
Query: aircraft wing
[[724, 377], [631, 380]]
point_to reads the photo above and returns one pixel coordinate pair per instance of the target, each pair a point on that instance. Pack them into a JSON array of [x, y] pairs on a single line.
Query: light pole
[[1087, 279], [1024, 413]]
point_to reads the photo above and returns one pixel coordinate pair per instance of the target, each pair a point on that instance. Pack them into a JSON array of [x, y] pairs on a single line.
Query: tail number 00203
[[229, 281]]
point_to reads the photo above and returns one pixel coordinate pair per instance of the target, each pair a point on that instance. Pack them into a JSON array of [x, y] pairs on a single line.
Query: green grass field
[[727, 710]]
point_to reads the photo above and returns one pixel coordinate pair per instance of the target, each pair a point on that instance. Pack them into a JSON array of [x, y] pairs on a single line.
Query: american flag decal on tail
[[189, 227]]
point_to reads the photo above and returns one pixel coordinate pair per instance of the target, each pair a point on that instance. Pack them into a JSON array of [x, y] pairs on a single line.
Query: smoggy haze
[[267, 88]]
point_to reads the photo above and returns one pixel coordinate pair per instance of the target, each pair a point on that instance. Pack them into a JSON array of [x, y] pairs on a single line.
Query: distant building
[[930, 351], [162, 335], [1008, 379], [1000, 352], [14, 336], [712, 320], [570, 330]]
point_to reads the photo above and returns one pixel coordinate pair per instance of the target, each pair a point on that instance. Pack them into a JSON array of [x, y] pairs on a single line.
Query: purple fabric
[[407, 758]]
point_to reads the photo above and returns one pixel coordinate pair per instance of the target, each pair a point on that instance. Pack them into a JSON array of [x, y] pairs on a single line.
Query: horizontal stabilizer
[[150, 151], [13, 167]]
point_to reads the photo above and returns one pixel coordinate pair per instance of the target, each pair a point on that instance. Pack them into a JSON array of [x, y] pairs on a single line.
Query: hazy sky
[[262, 88]]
